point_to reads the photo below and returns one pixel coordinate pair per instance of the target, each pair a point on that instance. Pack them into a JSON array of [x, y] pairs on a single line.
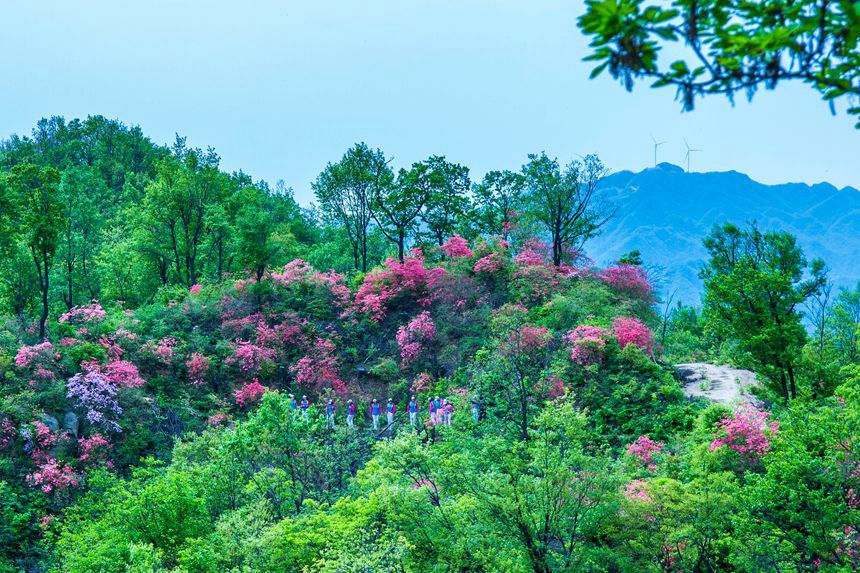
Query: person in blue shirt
[[375, 411], [413, 411], [304, 406], [390, 409], [350, 413], [329, 413], [293, 404]]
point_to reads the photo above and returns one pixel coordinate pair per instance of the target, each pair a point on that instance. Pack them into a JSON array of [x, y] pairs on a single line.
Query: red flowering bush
[[628, 280], [456, 247], [52, 476], [249, 357], [123, 374], [414, 337], [384, 286], [319, 369], [637, 491], [644, 450], [489, 264], [747, 432], [299, 272], [198, 367], [587, 344], [94, 449], [633, 331], [249, 394], [88, 313]]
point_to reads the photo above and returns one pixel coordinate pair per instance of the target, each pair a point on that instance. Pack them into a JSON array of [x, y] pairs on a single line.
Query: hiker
[[432, 409], [293, 404], [476, 410], [375, 411], [350, 413], [413, 412], [437, 407], [329, 414], [447, 411], [304, 406], [390, 410]]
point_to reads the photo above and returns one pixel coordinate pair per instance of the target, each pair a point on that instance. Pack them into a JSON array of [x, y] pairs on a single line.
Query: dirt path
[[722, 384]]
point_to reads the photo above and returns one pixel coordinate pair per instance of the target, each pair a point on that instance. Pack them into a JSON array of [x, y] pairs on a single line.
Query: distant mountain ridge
[[665, 213]]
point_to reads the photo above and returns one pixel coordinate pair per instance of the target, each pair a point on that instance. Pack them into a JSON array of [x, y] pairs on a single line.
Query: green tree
[[563, 200], [41, 221], [728, 46], [345, 191], [499, 198], [447, 201], [396, 205], [844, 325], [754, 285]]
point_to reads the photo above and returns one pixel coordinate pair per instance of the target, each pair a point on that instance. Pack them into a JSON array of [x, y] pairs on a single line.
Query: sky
[[280, 88]]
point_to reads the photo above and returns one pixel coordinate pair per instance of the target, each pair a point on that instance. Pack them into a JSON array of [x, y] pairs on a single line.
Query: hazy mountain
[[664, 213]]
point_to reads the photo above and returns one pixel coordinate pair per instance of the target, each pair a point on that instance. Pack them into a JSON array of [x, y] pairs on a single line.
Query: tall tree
[[563, 200], [730, 46], [345, 191], [754, 285], [844, 325], [41, 221], [499, 198], [447, 200], [396, 206]]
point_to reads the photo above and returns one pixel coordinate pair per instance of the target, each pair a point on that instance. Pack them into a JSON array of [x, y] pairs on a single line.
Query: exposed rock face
[[722, 384], [71, 423], [52, 423]]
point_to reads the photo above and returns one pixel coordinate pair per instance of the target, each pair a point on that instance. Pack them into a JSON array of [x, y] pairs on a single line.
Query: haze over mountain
[[665, 213]]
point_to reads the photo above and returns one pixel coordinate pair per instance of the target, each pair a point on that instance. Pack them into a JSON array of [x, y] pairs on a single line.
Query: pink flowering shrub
[[422, 383], [194, 290], [747, 432], [644, 450], [637, 491], [526, 338], [37, 355], [249, 394], [489, 264], [456, 247], [52, 476], [123, 374], [249, 357], [7, 432], [415, 336], [633, 331], [163, 350], [382, 287], [218, 419], [94, 449], [93, 392], [198, 367], [628, 280], [587, 344], [299, 272], [319, 369], [87, 313]]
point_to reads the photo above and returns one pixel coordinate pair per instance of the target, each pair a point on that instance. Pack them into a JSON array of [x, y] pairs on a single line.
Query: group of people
[[440, 411]]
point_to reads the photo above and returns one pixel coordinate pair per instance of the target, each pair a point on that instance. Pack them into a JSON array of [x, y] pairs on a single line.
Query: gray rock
[[52, 423], [71, 423]]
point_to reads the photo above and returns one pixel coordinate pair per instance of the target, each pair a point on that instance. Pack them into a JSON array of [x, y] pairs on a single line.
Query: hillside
[[665, 212]]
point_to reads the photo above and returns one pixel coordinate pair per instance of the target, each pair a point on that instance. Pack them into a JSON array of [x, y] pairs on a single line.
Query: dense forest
[[162, 321]]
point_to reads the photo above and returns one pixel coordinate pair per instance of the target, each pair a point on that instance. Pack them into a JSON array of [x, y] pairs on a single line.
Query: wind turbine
[[656, 145], [690, 150]]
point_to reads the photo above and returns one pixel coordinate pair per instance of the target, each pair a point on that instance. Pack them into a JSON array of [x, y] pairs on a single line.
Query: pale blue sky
[[280, 88]]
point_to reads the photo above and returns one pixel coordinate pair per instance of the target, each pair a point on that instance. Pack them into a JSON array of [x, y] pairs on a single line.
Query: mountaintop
[[665, 212]]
